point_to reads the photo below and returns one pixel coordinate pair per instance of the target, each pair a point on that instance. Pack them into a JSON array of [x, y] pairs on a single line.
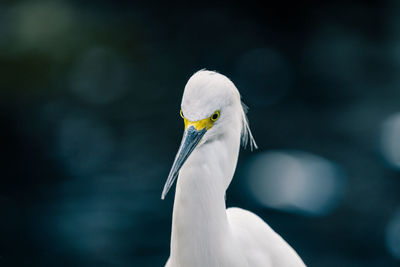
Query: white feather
[[247, 137], [204, 232]]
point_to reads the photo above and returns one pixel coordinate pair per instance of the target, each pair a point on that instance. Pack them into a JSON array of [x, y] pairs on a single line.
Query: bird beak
[[190, 140]]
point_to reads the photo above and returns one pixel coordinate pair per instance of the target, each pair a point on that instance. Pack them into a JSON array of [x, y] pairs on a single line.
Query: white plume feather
[[247, 136]]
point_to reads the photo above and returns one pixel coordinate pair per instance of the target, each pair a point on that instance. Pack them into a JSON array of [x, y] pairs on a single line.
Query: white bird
[[204, 232]]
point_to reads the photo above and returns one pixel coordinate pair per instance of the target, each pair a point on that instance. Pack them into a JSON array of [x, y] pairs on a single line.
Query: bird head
[[210, 108]]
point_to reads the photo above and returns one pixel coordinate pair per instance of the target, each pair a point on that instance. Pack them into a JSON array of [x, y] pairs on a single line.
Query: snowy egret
[[204, 232]]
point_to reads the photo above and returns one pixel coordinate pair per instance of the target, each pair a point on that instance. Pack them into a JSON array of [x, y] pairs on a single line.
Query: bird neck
[[200, 225]]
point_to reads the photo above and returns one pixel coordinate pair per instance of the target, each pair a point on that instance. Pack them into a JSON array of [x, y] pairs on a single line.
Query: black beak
[[191, 138]]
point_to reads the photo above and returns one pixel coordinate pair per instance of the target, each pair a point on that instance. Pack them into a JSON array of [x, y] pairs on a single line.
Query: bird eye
[[180, 112], [215, 116]]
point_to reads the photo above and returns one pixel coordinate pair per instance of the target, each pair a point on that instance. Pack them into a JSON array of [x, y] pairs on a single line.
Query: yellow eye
[[215, 116], [180, 112]]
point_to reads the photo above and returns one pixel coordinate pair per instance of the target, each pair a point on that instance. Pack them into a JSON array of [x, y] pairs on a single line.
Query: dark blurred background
[[90, 94]]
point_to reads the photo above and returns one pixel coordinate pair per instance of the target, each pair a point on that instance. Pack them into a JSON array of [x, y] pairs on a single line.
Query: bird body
[[204, 232]]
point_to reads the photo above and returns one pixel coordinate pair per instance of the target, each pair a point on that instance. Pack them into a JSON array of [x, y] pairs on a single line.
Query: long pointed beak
[[190, 140]]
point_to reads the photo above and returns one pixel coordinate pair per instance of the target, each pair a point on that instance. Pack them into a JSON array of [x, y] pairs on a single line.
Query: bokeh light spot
[[390, 140], [295, 181], [393, 235], [44, 25]]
